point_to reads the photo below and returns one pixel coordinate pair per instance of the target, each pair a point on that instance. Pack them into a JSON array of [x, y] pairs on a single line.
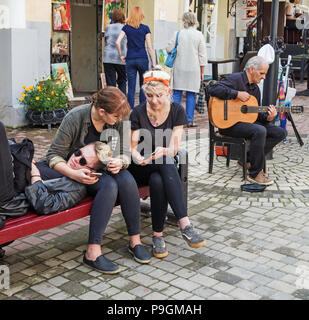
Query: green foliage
[[45, 95]]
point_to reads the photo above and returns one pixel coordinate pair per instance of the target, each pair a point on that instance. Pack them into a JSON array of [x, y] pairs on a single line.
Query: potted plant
[[46, 101]]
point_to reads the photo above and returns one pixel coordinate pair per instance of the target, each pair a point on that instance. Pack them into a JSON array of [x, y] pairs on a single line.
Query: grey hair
[[189, 20], [256, 62]]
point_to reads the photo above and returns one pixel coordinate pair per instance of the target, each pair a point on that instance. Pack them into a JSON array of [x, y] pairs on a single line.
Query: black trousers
[[263, 137], [116, 73], [165, 187], [7, 191], [106, 191]]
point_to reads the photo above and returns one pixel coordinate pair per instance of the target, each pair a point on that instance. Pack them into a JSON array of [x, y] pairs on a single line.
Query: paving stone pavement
[[257, 243]]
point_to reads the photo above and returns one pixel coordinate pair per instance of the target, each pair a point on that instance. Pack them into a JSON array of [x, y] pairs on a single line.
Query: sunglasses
[[82, 160]]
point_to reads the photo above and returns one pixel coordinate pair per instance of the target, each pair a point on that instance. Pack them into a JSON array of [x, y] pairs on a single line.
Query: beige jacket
[[191, 55]]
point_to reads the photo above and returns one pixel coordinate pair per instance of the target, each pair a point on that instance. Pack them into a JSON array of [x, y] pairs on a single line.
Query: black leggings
[[109, 189], [7, 191], [165, 187], [105, 192]]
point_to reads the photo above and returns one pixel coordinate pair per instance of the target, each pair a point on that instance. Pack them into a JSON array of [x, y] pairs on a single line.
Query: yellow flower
[[49, 78], [43, 77], [52, 93], [27, 89], [39, 88], [48, 98], [21, 99], [23, 94], [31, 88], [37, 98], [24, 87]]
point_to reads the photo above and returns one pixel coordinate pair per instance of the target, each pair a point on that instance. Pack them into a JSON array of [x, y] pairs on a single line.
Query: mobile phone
[[95, 174], [150, 155]]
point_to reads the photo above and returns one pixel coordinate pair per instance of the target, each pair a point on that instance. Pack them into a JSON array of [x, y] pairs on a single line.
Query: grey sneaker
[[193, 239], [158, 247]]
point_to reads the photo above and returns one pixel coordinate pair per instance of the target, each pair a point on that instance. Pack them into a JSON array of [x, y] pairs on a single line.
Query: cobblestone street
[[257, 244]]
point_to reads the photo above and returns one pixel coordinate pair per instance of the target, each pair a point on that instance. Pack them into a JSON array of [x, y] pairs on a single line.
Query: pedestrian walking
[[114, 67], [136, 59], [189, 66]]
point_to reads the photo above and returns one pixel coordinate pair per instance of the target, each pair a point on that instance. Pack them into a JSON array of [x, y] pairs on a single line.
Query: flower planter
[[46, 117]]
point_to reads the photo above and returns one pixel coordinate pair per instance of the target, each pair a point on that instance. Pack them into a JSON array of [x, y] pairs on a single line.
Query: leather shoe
[[102, 264], [140, 254]]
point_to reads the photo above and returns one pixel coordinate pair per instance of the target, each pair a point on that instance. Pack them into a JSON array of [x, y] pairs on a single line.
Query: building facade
[[27, 32]]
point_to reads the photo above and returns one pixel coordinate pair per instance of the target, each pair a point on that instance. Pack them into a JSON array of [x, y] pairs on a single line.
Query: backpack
[[22, 158]]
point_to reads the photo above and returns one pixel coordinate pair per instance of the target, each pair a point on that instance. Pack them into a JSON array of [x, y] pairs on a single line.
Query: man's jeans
[[134, 66]]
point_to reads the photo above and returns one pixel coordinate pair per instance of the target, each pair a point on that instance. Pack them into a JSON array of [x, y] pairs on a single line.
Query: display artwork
[[246, 12], [61, 73], [62, 16], [59, 1], [161, 56], [108, 7], [60, 43]]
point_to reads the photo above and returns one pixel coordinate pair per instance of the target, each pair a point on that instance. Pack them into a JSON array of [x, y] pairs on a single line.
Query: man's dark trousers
[[263, 137]]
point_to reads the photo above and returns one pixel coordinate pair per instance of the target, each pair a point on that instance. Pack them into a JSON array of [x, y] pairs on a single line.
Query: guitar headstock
[[297, 109]]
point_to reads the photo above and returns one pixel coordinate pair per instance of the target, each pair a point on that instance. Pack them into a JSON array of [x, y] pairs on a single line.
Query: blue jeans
[[190, 102], [133, 66]]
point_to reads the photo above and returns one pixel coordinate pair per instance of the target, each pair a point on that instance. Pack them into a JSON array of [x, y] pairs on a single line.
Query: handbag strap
[[176, 44]]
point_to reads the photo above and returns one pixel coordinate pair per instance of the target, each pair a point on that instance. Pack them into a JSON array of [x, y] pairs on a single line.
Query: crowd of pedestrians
[[128, 53]]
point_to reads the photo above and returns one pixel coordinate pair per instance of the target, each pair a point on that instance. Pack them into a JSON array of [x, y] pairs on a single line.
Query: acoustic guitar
[[225, 113]]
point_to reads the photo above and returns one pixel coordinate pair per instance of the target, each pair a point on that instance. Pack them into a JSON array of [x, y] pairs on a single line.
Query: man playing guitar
[[263, 134]]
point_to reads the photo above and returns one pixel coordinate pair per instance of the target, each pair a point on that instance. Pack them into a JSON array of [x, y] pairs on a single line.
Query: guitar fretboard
[[253, 109]]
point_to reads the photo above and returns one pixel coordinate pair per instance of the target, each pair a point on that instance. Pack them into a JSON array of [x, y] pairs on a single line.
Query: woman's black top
[[160, 136]]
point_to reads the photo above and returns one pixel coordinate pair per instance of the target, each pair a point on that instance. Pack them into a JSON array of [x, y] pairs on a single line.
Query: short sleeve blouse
[[159, 136]]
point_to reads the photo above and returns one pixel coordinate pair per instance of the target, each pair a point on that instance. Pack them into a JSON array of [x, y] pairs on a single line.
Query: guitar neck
[[252, 109]]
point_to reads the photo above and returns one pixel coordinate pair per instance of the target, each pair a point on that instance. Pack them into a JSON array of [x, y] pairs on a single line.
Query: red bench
[[30, 223]]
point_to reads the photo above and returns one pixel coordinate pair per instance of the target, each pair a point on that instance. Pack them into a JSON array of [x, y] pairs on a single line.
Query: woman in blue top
[[136, 58]]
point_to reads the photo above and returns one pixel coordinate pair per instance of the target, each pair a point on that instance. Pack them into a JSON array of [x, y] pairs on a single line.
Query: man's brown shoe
[[261, 178]]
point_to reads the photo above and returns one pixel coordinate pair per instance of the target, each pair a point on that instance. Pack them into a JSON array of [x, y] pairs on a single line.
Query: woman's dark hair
[[112, 100], [118, 16]]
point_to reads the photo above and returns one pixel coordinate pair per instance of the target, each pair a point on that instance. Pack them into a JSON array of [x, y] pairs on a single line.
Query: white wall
[[14, 12]]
